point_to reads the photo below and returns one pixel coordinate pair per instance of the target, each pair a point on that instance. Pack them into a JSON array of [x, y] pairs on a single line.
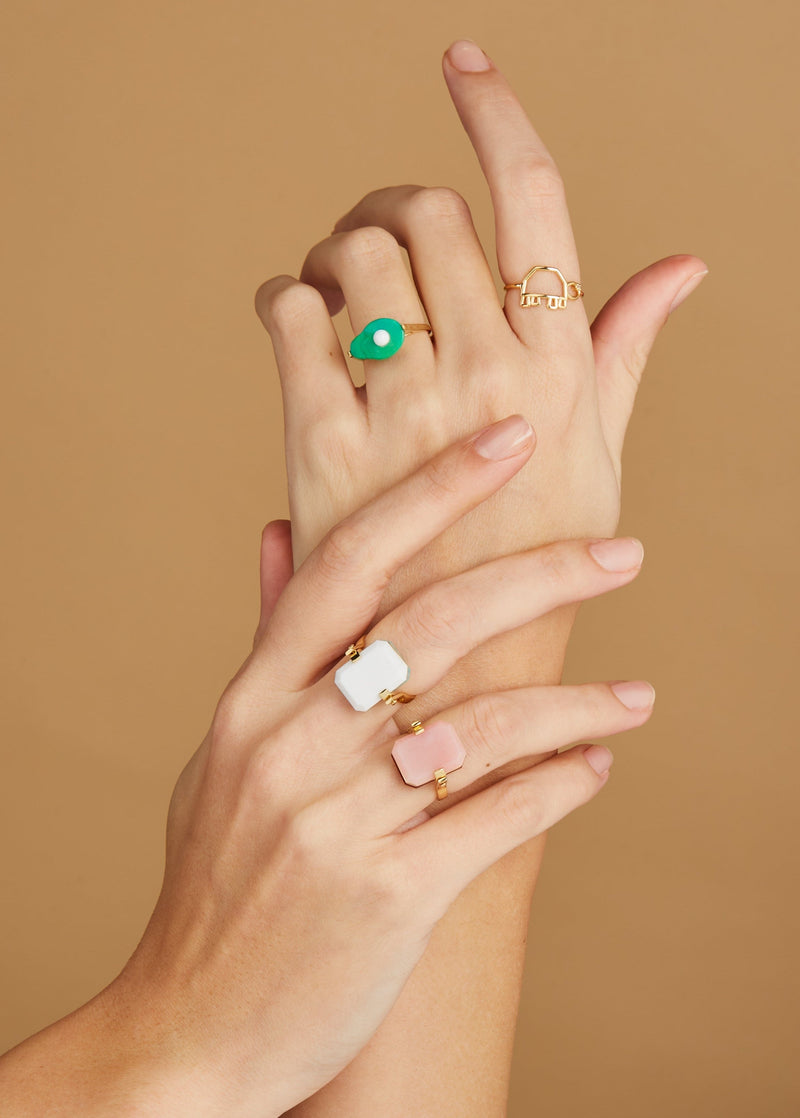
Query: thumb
[[276, 568], [625, 329]]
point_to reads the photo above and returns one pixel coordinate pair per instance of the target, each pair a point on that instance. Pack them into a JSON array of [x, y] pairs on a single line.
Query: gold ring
[[570, 289], [353, 650], [393, 697], [440, 776]]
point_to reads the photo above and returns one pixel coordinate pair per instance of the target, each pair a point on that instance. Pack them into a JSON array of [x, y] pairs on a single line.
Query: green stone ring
[[382, 337]]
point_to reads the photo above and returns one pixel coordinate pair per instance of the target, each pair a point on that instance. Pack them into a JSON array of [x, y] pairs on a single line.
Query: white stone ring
[[371, 674]]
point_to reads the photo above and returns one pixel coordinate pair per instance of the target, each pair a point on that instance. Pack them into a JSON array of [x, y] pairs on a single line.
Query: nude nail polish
[[467, 56], [501, 440], [687, 289]]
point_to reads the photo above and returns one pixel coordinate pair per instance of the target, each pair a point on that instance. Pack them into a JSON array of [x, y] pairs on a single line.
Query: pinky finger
[[315, 380], [276, 568], [459, 844]]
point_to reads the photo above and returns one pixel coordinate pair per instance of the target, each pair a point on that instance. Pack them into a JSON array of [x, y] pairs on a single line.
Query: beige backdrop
[[161, 160]]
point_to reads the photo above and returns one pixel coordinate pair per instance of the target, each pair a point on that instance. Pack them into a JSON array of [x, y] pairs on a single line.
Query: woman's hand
[[303, 876], [577, 382]]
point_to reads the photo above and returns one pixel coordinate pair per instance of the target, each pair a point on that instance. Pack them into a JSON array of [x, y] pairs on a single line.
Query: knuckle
[[519, 806], [385, 885], [556, 567], [439, 481], [373, 883], [633, 360], [439, 204], [232, 722], [261, 773], [304, 834], [284, 305], [371, 246], [327, 446], [342, 549], [268, 771], [597, 701], [583, 785], [496, 377], [492, 723], [435, 618], [535, 175]]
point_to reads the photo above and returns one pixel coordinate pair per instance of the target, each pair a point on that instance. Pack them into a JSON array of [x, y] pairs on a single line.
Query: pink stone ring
[[429, 753]]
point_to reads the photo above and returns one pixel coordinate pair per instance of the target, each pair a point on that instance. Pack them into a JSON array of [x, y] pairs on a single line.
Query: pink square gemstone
[[418, 755]]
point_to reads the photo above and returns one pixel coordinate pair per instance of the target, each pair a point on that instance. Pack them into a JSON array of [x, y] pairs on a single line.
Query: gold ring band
[[393, 697]]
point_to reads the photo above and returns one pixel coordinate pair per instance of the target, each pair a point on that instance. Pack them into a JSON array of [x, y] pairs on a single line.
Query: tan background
[[161, 160]]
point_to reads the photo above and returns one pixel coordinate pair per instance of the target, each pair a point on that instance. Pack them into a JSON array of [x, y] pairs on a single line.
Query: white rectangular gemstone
[[377, 668]]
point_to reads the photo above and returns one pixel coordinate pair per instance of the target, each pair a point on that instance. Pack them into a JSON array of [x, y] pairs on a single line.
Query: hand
[[576, 382], [293, 908]]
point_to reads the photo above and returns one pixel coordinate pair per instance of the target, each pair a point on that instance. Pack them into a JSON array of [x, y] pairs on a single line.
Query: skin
[[292, 910], [576, 382]]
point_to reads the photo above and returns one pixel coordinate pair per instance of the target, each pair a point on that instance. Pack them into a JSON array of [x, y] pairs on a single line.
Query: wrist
[[108, 1059]]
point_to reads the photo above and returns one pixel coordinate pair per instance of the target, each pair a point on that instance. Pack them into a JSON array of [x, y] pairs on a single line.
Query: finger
[[335, 592], [624, 331], [499, 732], [460, 843], [532, 221], [369, 268], [275, 568], [315, 379], [445, 620], [450, 270]]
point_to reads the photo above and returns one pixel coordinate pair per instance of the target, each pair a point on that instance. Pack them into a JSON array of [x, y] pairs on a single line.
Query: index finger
[[532, 223]]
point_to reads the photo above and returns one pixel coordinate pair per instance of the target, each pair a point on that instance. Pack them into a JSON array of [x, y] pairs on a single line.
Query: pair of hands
[[304, 877], [294, 906]]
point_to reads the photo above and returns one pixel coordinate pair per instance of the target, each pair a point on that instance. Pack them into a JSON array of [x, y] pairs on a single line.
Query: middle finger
[[445, 620], [532, 221], [450, 269]]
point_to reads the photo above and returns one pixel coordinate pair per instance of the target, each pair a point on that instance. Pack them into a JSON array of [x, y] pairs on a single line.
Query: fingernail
[[600, 758], [618, 555], [467, 56], [635, 695], [504, 439], [687, 289]]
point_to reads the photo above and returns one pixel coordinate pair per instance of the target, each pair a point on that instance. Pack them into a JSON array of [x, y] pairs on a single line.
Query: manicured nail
[[510, 436], [635, 694], [687, 289], [467, 56], [600, 758], [618, 555]]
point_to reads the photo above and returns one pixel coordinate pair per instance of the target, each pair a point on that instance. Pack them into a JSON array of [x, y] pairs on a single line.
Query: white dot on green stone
[[381, 337]]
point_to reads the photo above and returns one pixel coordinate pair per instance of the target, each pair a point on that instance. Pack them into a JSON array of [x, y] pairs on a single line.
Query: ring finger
[[500, 733]]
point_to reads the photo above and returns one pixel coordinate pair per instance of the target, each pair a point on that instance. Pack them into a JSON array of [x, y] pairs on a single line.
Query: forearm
[[112, 1059], [446, 1046]]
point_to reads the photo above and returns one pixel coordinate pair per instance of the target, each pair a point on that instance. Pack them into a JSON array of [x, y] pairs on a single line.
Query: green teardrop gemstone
[[364, 345]]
